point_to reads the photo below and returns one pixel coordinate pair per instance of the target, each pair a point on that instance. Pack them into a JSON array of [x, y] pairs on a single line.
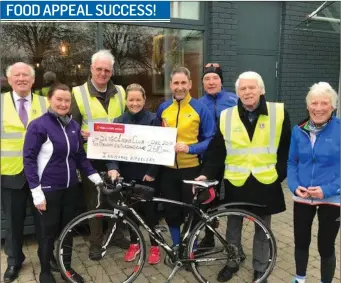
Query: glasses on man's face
[[100, 70], [216, 65]]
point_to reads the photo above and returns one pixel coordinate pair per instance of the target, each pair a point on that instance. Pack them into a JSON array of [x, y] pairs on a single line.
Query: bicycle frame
[[195, 210]]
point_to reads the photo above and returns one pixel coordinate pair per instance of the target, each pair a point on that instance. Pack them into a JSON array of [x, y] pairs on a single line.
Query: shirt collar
[[185, 100], [110, 92], [216, 95], [16, 97]]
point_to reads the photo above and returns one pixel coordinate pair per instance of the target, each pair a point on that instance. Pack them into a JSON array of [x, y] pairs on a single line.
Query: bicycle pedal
[[160, 228]]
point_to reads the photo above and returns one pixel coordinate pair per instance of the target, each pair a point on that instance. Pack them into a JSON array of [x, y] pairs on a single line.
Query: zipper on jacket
[[312, 173], [67, 155], [176, 125], [215, 108], [313, 159]]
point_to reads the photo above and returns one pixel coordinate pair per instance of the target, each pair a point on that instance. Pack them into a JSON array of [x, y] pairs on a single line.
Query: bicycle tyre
[[233, 212], [96, 214]]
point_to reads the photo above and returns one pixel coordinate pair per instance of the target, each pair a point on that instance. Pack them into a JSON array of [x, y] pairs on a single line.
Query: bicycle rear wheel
[[73, 252], [237, 253]]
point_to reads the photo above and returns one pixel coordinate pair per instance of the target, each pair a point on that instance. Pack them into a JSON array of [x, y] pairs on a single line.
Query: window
[[147, 55], [185, 10], [144, 55]]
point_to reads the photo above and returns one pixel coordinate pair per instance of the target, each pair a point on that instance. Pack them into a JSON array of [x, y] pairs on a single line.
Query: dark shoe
[[11, 273], [46, 277], [227, 273], [207, 243], [241, 254], [168, 261], [54, 265], [96, 252], [122, 243], [257, 275], [74, 275]]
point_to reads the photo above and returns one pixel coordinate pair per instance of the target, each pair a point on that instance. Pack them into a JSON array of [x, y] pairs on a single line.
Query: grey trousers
[[260, 244]]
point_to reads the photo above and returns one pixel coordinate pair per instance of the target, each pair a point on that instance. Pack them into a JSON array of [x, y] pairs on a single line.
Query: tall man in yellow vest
[[252, 143], [18, 108], [98, 100]]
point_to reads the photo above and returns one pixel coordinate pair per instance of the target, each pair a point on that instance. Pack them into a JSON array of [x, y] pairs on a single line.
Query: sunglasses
[[216, 65]]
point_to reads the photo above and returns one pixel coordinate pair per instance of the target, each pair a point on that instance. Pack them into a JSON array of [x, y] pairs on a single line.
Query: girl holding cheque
[[140, 172]]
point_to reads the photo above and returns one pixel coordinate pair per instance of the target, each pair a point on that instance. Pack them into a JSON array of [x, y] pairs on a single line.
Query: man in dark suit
[[18, 108]]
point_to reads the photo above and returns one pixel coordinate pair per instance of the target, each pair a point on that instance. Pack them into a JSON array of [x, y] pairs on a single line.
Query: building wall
[[222, 39], [306, 57]]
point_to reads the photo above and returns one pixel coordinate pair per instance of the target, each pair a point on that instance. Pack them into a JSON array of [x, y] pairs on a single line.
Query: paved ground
[[283, 272]]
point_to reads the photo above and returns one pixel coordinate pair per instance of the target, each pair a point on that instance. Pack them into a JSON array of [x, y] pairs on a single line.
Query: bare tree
[[40, 42], [131, 46]]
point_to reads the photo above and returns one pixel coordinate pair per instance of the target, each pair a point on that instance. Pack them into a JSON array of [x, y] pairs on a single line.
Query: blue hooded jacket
[[219, 102], [316, 166]]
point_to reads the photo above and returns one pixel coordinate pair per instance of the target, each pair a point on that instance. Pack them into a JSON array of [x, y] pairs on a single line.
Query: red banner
[[109, 128]]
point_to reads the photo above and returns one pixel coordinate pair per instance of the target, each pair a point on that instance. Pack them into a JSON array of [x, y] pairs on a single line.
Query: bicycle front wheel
[[242, 242], [107, 263]]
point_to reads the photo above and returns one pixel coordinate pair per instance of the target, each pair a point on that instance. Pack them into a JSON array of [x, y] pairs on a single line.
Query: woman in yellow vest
[[252, 143]]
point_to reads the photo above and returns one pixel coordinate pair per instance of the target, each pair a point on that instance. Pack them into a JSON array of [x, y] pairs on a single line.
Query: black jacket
[[252, 191], [132, 170]]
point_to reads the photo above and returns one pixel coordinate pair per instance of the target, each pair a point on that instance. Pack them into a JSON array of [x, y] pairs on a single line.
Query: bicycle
[[190, 256]]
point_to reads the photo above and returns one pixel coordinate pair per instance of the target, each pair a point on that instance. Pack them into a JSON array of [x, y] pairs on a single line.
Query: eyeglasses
[[100, 70]]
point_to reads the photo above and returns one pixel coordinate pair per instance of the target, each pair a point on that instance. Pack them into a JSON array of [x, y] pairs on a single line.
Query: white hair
[[103, 54], [9, 69], [322, 89], [250, 75]]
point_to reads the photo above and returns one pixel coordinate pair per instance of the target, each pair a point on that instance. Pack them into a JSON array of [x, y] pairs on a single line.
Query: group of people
[[241, 139]]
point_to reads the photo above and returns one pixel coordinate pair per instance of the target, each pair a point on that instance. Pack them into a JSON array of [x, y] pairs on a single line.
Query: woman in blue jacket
[[139, 172], [53, 150], [314, 179]]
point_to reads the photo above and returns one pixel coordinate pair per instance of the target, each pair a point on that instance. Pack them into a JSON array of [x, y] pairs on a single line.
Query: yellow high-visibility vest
[[92, 110], [257, 157], [13, 132], [44, 91]]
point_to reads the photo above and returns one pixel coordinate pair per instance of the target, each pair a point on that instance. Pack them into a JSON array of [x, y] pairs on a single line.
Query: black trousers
[[61, 209], [97, 225], [328, 229], [14, 205], [148, 212], [173, 188]]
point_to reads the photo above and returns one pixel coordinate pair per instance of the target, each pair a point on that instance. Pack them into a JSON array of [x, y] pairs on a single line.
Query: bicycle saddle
[[204, 184]]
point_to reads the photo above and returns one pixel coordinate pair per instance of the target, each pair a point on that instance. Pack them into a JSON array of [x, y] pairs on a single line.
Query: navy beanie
[[212, 69]]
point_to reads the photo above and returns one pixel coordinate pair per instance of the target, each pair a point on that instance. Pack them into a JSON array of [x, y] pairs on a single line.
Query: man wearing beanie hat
[[216, 98]]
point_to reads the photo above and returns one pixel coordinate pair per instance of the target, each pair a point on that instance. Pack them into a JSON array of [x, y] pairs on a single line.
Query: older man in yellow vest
[[98, 100], [252, 143], [18, 108]]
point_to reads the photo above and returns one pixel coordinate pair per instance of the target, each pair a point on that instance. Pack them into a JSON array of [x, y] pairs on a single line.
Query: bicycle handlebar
[[116, 186]]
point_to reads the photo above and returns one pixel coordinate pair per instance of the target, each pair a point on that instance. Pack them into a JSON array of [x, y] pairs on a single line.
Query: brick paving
[[283, 271]]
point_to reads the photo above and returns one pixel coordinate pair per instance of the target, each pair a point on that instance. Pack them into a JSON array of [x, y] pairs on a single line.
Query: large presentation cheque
[[132, 143]]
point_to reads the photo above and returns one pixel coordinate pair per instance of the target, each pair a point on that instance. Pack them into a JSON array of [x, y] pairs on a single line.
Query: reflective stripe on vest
[[270, 149], [257, 157], [246, 170], [12, 142], [92, 110], [87, 107]]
